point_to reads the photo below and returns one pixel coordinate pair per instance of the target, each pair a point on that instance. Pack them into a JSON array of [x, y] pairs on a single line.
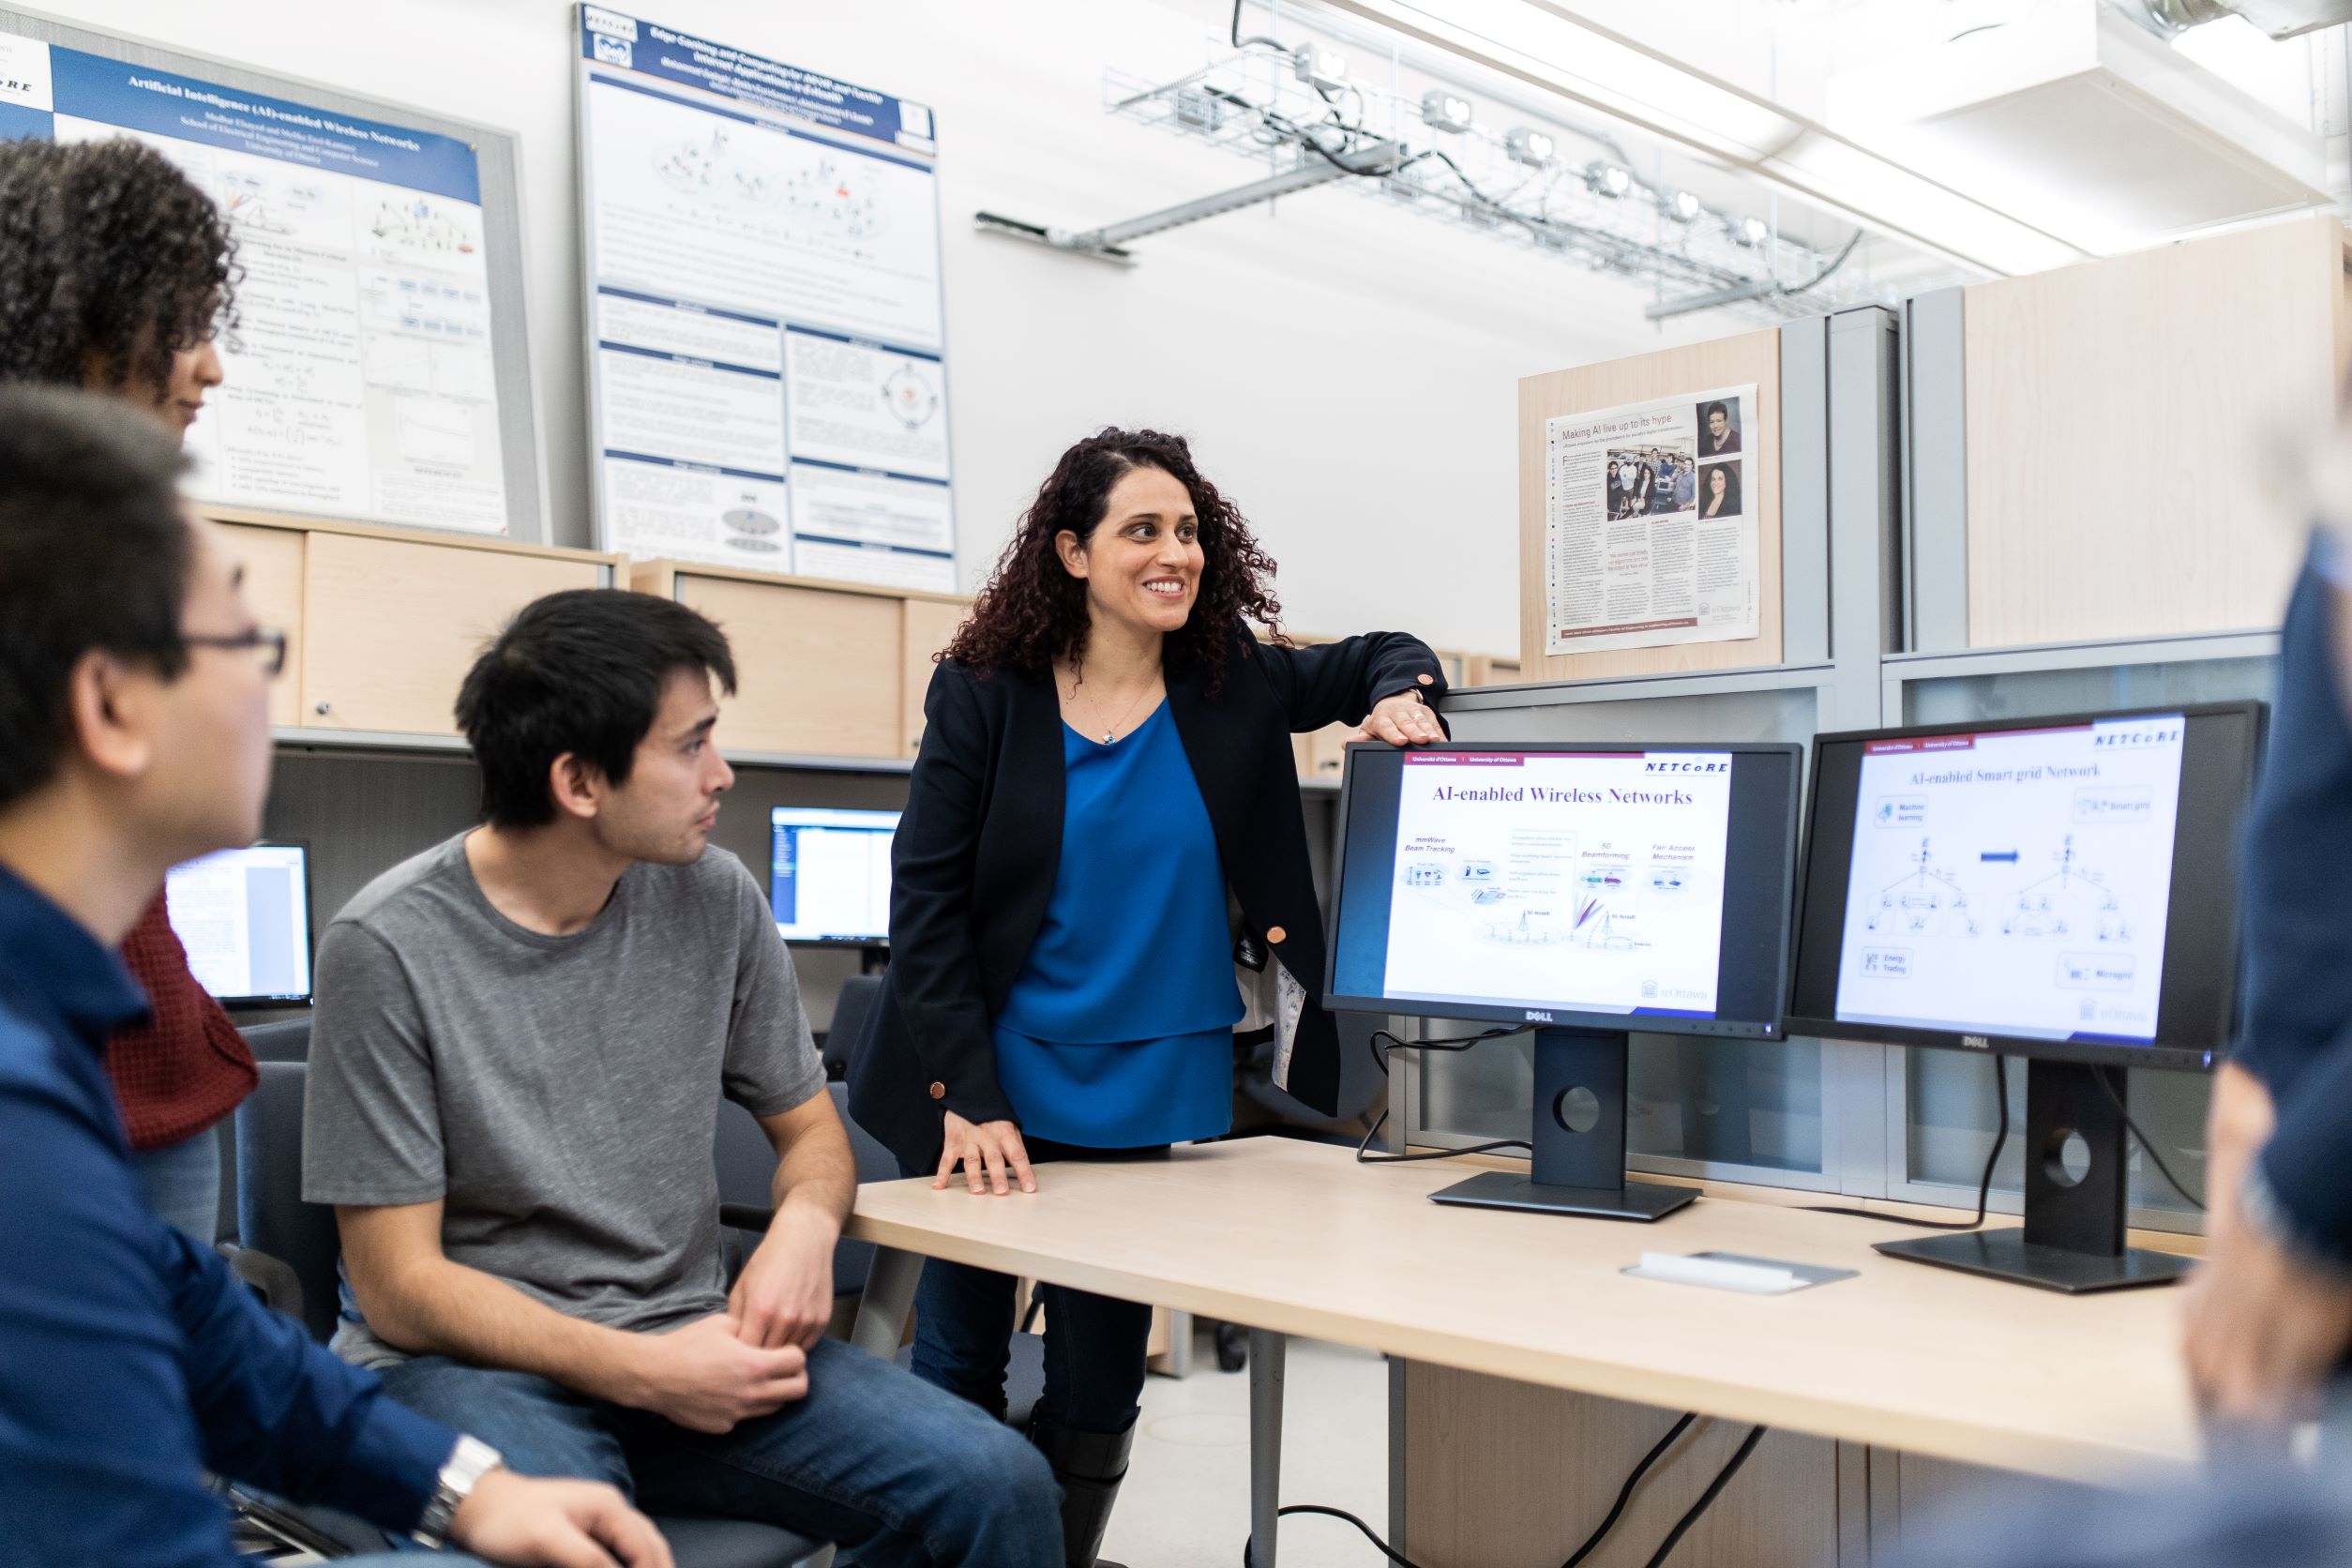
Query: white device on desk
[[244, 916], [1586, 891], [2062, 889]]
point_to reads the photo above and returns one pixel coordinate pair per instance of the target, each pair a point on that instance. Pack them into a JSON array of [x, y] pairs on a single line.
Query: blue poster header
[[661, 54], [139, 98]]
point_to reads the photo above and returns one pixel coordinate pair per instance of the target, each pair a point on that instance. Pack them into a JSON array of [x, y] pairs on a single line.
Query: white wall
[[1347, 371]]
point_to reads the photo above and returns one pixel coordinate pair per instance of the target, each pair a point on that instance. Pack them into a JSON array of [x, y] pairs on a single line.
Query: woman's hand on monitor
[[1403, 720]]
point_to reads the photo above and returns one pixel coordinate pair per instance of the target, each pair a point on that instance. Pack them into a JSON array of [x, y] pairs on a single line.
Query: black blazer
[[974, 863]]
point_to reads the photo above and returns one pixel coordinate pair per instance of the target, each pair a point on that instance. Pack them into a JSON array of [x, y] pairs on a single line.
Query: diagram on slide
[[912, 399], [1930, 898], [2014, 882], [1560, 880], [416, 223], [2071, 901]]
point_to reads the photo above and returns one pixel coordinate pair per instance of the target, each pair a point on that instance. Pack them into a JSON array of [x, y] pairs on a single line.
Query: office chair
[[859, 993], [275, 1222]]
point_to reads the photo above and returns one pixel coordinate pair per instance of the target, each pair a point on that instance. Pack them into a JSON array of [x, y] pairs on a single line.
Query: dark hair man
[[521, 1041], [134, 734]]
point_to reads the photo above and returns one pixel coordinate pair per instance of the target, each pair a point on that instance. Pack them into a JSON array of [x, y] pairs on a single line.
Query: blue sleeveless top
[[1118, 1031]]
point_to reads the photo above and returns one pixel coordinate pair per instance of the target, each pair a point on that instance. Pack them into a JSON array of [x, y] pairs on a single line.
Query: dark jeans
[[1094, 1346], [872, 1458]]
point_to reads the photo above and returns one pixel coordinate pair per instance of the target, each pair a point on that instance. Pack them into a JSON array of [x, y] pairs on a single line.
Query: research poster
[[2014, 884], [1650, 532], [359, 372], [766, 346], [1560, 880]]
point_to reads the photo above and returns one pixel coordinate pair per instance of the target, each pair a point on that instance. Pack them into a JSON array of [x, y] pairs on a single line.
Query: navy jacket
[[132, 1360], [2298, 1031], [973, 862]]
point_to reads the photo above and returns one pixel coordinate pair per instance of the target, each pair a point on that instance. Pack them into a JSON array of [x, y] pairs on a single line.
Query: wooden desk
[[1294, 1238]]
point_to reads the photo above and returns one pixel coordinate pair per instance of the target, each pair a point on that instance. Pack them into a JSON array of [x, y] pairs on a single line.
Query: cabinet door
[[821, 672], [929, 627], [394, 626], [272, 562]]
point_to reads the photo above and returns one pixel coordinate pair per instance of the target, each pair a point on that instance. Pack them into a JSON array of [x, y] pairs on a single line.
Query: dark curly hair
[[112, 261], [1033, 611]]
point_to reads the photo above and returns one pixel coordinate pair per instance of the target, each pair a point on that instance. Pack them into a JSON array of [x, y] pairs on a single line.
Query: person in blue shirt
[[134, 734], [2269, 1314], [1106, 758]]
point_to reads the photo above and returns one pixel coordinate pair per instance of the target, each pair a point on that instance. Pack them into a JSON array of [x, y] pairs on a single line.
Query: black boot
[[1089, 1465]]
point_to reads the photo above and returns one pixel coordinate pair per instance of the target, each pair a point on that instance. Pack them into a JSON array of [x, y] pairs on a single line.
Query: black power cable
[[1240, 42], [1626, 1493], [1681, 1424], [1983, 1188], [2145, 1147], [1457, 1042], [1714, 1489]]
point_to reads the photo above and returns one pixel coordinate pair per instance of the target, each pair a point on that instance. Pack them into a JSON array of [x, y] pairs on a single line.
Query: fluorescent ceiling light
[[1544, 43]]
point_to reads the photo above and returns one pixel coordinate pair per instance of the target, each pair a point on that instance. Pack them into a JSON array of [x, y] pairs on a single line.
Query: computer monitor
[[2062, 890], [1586, 890], [829, 875], [244, 916]]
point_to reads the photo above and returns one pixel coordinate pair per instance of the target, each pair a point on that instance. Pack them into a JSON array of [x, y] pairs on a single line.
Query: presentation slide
[[243, 917], [2015, 882], [764, 260], [829, 876], [359, 379], [1560, 880]]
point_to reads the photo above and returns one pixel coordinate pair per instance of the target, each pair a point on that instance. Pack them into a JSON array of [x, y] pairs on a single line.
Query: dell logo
[[1976, 1042], [1534, 1017]]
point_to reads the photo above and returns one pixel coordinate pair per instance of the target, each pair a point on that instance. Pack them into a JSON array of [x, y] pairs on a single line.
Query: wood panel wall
[[1752, 356], [2136, 431]]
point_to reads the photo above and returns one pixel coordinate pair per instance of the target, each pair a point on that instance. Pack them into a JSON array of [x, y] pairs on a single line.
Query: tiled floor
[[1186, 1501]]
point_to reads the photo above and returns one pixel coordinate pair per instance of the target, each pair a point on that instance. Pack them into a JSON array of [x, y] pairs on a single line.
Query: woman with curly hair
[[116, 272], [1108, 759]]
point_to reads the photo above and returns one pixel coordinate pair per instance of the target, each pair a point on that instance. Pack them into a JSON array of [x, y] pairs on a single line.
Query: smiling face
[[1718, 423], [1143, 562], [1717, 483]]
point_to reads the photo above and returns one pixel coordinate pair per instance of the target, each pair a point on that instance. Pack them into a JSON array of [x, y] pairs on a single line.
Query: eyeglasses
[[265, 644]]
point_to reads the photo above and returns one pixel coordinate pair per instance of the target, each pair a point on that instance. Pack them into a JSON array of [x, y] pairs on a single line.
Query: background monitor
[[244, 916], [2061, 889], [1585, 892], [829, 875]]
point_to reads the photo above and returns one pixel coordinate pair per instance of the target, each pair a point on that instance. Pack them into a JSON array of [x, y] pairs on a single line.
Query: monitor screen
[[2063, 884], [244, 915], [829, 874], [1646, 887]]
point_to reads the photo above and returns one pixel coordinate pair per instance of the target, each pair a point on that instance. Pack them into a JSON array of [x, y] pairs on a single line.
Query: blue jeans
[[870, 1459], [1095, 1344], [182, 1182]]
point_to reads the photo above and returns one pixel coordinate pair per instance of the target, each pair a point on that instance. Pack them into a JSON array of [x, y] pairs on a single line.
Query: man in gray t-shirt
[[542, 1089], [522, 1040]]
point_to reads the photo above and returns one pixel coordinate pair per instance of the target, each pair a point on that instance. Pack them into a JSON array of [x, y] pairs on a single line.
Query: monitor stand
[[2073, 1238], [1579, 1161]]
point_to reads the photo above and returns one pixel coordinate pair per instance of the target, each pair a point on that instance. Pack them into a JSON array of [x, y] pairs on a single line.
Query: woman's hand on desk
[[991, 1154], [2265, 1328], [1403, 720]]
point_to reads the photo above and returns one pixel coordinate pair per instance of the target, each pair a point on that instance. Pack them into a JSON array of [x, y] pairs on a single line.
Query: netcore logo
[[1657, 765]]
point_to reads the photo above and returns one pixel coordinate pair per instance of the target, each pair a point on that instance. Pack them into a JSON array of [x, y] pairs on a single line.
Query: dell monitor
[[244, 916], [1587, 891], [829, 876], [2062, 890]]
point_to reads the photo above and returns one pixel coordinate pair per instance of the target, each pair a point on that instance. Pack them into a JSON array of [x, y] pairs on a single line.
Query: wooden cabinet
[[382, 624], [823, 669], [2138, 432], [271, 561]]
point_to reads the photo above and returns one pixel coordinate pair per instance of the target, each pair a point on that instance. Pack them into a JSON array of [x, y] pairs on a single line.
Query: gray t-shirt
[[559, 1094]]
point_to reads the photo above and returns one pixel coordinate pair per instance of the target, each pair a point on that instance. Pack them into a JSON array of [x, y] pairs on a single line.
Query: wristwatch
[[471, 1460]]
